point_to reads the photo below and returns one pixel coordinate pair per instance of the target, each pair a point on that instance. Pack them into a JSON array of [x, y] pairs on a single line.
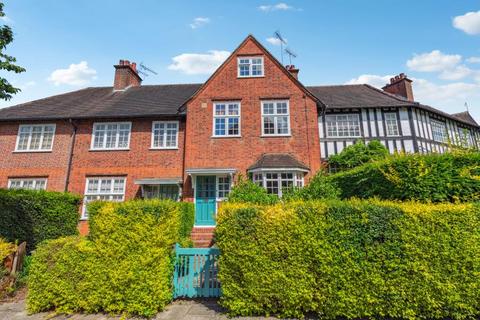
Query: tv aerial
[[146, 71], [291, 54], [282, 42]]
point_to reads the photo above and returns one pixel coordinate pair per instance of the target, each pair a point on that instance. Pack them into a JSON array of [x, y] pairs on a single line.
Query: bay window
[[277, 182]]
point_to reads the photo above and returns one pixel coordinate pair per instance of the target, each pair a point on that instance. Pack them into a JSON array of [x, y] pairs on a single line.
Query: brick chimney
[[400, 85], [126, 75], [293, 71]]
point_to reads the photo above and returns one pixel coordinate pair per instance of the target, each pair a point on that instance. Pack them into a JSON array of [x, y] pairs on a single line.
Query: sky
[[69, 45]]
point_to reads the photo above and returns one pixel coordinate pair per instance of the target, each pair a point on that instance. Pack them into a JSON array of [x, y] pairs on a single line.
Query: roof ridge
[[388, 94], [336, 85]]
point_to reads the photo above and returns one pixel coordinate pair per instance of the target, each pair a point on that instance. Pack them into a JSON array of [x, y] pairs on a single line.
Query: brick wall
[[204, 151]]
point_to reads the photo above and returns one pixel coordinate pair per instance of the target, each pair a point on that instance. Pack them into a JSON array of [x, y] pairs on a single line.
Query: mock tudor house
[[252, 117]]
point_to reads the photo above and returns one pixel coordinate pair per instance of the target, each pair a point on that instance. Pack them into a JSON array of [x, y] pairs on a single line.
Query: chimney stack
[[126, 75], [400, 85], [293, 71]]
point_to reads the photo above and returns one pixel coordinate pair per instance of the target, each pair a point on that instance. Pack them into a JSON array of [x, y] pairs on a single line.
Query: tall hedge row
[[449, 177], [124, 266], [34, 216], [351, 259]]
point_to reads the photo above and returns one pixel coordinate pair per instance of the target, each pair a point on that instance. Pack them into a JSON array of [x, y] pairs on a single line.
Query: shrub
[[319, 187], [350, 259], [6, 249], [245, 191], [435, 177], [34, 216], [124, 266], [358, 154]]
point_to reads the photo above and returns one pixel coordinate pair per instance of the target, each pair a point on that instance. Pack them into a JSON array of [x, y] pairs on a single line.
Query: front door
[[205, 201]]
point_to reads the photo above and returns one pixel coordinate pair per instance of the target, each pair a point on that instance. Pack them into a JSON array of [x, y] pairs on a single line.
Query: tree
[[7, 62], [358, 154]]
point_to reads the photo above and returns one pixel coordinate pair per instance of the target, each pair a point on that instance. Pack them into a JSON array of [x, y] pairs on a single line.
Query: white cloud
[[433, 61], [371, 79], [275, 41], [468, 23], [75, 75], [473, 60], [27, 85], [457, 73], [275, 7], [199, 63], [6, 19], [199, 22]]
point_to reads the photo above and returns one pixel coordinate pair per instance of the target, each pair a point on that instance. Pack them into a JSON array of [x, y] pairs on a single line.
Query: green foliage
[[6, 249], [34, 216], [351, 259], [7, 62], [124, 266], [319, 187], [358, 154], [245, 191], [453, 177]]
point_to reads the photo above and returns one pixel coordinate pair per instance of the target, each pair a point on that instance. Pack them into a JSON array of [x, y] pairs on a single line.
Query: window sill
[[248, 77], [102, 150], [275, 135], [225, 137], [154, 149], [32, 151]]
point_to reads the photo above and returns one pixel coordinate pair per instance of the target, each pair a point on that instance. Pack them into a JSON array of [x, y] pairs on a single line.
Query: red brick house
[[252, 117]]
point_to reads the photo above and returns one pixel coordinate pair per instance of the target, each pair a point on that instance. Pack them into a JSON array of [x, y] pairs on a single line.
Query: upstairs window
[[111, 136], [226, 119], [391, 124], [439, 130], [465, 137], [38, 137], [343, 125], [165, 135], [250, 67], [31, 184], [275, 118], [105, 189]]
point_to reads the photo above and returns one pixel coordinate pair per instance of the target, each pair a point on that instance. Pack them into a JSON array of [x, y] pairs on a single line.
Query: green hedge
[[34, 216], [124, 266], [453, 177], [351, 259]]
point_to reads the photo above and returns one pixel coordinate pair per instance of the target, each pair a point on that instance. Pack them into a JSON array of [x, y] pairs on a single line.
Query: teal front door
[[205, 201]]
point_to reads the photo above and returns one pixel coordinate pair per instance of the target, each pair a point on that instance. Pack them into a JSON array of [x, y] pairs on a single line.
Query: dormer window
[[250, 67]]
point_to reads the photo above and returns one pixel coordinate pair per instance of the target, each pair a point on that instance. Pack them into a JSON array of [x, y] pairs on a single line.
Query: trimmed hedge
[[124, 266], [452, 177], [34, 216], [245, 191], [351, 259]]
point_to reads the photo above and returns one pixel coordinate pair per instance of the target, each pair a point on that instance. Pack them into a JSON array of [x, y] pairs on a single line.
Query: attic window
[[250, 67]]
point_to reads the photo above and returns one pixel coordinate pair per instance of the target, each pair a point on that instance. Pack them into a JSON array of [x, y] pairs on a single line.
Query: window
[[38, 137], [223, 184], [250, 67], [161, 191], [165, 135], [31, 184], [226, 119], [391, 123], [277, 182], [103, 188], [343, 125], [439, 130], [275, 118], [465, 137], [111, 136]]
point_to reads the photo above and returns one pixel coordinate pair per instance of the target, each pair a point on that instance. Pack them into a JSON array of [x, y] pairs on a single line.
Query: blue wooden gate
[[196, 272]]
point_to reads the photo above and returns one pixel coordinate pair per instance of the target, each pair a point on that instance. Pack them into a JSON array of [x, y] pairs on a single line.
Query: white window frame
[[24, 180], [92, 144], [99, 193], [298, 178], [250, 68], [164, 137], [217, 187], [275, 115], [337, 127], [226, 117], [439, 127], [31, 126], [393, 129], [464, 134]]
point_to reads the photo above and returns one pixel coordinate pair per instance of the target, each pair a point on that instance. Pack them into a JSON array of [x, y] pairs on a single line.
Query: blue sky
[[68, 45]]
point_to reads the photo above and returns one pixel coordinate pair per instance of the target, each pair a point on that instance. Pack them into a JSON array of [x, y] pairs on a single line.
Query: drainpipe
[[70, 155], [307, 130], [184, 155]]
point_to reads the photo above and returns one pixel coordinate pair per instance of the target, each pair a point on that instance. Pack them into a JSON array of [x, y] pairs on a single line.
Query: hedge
[[124, 266], [351, 259], [34, 216], [452, 177]]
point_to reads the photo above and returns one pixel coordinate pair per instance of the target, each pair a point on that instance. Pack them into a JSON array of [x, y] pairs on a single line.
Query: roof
[[104, 102], [278, 160], [465, 116]]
